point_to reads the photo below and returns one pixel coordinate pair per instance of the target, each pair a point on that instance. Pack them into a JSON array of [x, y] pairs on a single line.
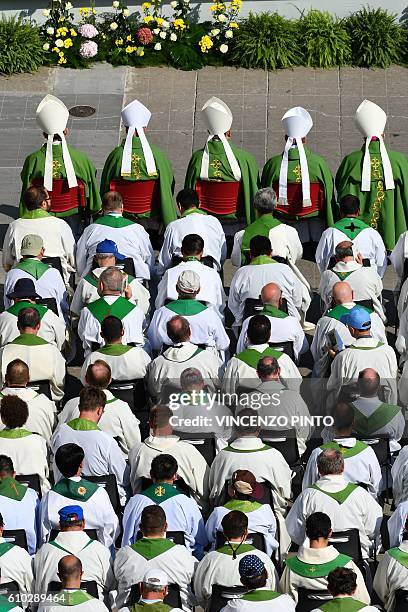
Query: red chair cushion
[[220, 197], [295, 199], [62, 197], [139, 197]]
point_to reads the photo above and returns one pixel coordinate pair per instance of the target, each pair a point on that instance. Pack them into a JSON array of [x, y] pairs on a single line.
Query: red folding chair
[[221, 198], [64, 198], [139, 197], [295, 200]]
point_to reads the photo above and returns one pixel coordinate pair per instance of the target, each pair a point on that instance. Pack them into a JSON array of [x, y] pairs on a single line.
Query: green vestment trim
[[367, 425], [81, 490], [399, 555], [159, 492], [114, 350], [343, 604], [11, 488], [38, 213], [316, 570], [14, 434], [155, 607], [54, 543], [190, 211], [74, 598], [186, 307], [197, 352], [82, 425], [149, 548], [33, 267], [252, 356], [29, 340], [271, 311], [114, 221], [339, 496], [231, 449], [101, 309], [338, 311], [6, 605], [94, 281], [346, 451], [261, 260], [366, 348], [351, 226], [5, 547], [342, 275], [240, 549], [261, 227], [243, 505], [17, 306], [261, 595]]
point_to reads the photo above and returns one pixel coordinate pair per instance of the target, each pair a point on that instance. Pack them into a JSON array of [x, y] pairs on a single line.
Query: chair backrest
[[347, 542], [220, 198], [381, 447], [64, 198], [220, 595], [366, 303], [284, 347], [310, 600], [295, 205], [204, 443], [128, 266], [91, 533], [284, 441], [139, 197], [9, 588], [41, 386], [254, 306], [54, 262], [401, 600], [256, 540], [133, 392], [172, 599], [108, 482], [16, 536], [50, 303], [89, 586], [32, 481]]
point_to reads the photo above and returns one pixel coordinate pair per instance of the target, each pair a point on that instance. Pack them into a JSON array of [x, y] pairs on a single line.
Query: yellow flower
[[140, 52], [148, 19], [119, 42], [213, 7], [55, 49], [159, 21], [62, 31], [146, 6], [84, 11], [61, 19], [73, 32], [68, 43], [233, 24], [205, 43], [129, 49], [129, 38], [179, 24]]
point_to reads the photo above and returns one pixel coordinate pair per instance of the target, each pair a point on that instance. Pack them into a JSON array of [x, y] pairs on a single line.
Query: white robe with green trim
[[52, 328], [131, 365], [15, 565], [29, 456], [42, 412], [389, 577]]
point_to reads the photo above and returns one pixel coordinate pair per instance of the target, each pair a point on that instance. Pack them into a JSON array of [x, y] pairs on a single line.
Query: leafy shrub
[[20, 46], [324, 40], [268, 41], [377, 40]]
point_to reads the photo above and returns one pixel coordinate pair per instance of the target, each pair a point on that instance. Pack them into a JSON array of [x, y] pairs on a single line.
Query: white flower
[[224, 48], [126, 12], [222, 18], [215, 32], [186, 1], [157, 47], [50, 31], [163, 35], [46, 47], [173, 4], [113, 26], [46, 13], [173, 37], [68, 6], [165, 25], [115, 4], [156, 31], [229, 34], [59, 43]]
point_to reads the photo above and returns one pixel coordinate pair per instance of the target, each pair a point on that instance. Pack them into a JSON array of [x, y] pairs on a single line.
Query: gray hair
[[342, 252], [330, 461], [190, 378], [265, 200], [153, 588], [112, 278]]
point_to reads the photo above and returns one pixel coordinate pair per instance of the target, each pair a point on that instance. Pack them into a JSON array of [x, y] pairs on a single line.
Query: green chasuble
[[319, 172], [73, 597], [351, 227], [366, 426], [149, 548], [252, 356], [112, 170], [11, 488], [17, 306], [342, 604], [219, 169], [34, 168], [384, 210], [261, 227], [155, 607]]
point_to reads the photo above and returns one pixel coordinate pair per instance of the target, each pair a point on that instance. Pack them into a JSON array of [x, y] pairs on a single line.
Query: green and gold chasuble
[[342, 604], [219, 169], [159, 492], [11, 488], [80, 490], [316, 570], [384, 210], [112, 170], [34, 168], [319, 172]]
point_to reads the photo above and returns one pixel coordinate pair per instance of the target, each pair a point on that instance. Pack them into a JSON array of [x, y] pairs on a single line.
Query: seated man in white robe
[[360, 461], [153, 551], [131, 238], [192, 467], [211, 288], [284, 327], [117, 419], [244, 494], [392, 573], [342, 586], [19, 504], [72, 488], [329, 327], [163, 373], [193, 220], [365, 282], [153, 589], [182, 512], [113, 301], [15, 563], [43, 359], [107, 256], [365, 351], [248, 281], [42, 412], [348, 505], [399, 473], [366, 240], [221, 566], [205, 323], [397, 524], [102, 453], [72, 540], [313, 563]]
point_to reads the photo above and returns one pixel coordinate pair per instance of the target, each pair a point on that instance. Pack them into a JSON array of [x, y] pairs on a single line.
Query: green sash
[[101, 309], [73, 598], [240, 549], [155, 607], [11, 488], [15, 308], [5, 547], [342, 604], [82, 425], [366, 426], [38, 213], [260, 595], [261, 227], [81, 490], [54, 543], [29, 340], [15, 433], [114, 221], [270, 310], [351, 227], [252, 356], [186, 307], [230, 449], [339, 311], [316, 570], [243, 505], [159, 492], [366, 348], [149, 548], [261, 260], [346, 451], [190, 211], [340, 496], [399, 555], [114, 350], [33, 267]]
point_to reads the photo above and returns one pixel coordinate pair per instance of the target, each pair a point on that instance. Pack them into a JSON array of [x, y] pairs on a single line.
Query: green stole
[[261, 595], [186, 307], [114, 350], [339, 311], [17, 306], [190, 211], [115, 221], [251, 356], [316, 570], [11, 488], [101, 309], [342, 275], [351, 227], [261, 227], [29, 340], [243, 505], [15, 433], [366, 348], [236, 547], [80, 424], [38, 213], [94, 281], [261, 260], [33, 267], [271, 311], [149, 548], [399, 555], [155, 607], [339, 496], [231, 449], [382, 415], [81, 490], [159, 492], [346, 451], [54, 543], [73, 598], [343, 604]]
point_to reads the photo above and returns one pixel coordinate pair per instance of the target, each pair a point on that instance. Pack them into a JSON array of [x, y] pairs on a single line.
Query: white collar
[[347, 266], [247, 442], [317, 555], [365, 341], [114, 214], [347, 442], [75, 478], [161, 442], [404, 546], [258, 347], [332, 483]]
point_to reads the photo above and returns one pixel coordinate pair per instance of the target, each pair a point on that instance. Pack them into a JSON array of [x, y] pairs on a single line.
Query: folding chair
[[347, 542], [91, 533], [130, 391], [32, 481], [220, 595], [89, 586], [204, 443], [50, 303], [17, 537], [42, 387], [310, 600], [54, 262], [401, 601], [108, 482], [284, 347], [8, 589]]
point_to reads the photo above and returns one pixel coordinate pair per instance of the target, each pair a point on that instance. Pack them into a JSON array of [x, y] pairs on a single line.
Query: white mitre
[[218, 119], [296, 123], [135, 116], [52, 116], [371, 120]]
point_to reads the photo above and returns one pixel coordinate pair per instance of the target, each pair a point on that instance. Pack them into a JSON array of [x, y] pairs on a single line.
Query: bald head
[[178, 330], [271, 294], [98, 374], [17, 374], [342, 293], [70, 571], [369, 382]]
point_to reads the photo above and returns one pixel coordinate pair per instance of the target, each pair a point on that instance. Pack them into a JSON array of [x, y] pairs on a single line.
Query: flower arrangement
[[224, 25], [59, 34], [122, 45], [88, 31]]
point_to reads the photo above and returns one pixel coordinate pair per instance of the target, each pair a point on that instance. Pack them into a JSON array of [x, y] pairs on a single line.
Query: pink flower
[[88, 30], [144, 36], [89, 49]]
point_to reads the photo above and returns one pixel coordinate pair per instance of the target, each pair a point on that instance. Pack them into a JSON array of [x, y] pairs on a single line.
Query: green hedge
[[370, 38]]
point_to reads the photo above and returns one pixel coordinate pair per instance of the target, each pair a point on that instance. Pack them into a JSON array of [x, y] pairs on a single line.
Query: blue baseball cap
[[251, 566], [111, 248], [358, 317], [70, 514]]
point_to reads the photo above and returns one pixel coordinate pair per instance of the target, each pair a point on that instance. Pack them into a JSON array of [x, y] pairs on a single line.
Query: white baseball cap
[[156, 577]]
